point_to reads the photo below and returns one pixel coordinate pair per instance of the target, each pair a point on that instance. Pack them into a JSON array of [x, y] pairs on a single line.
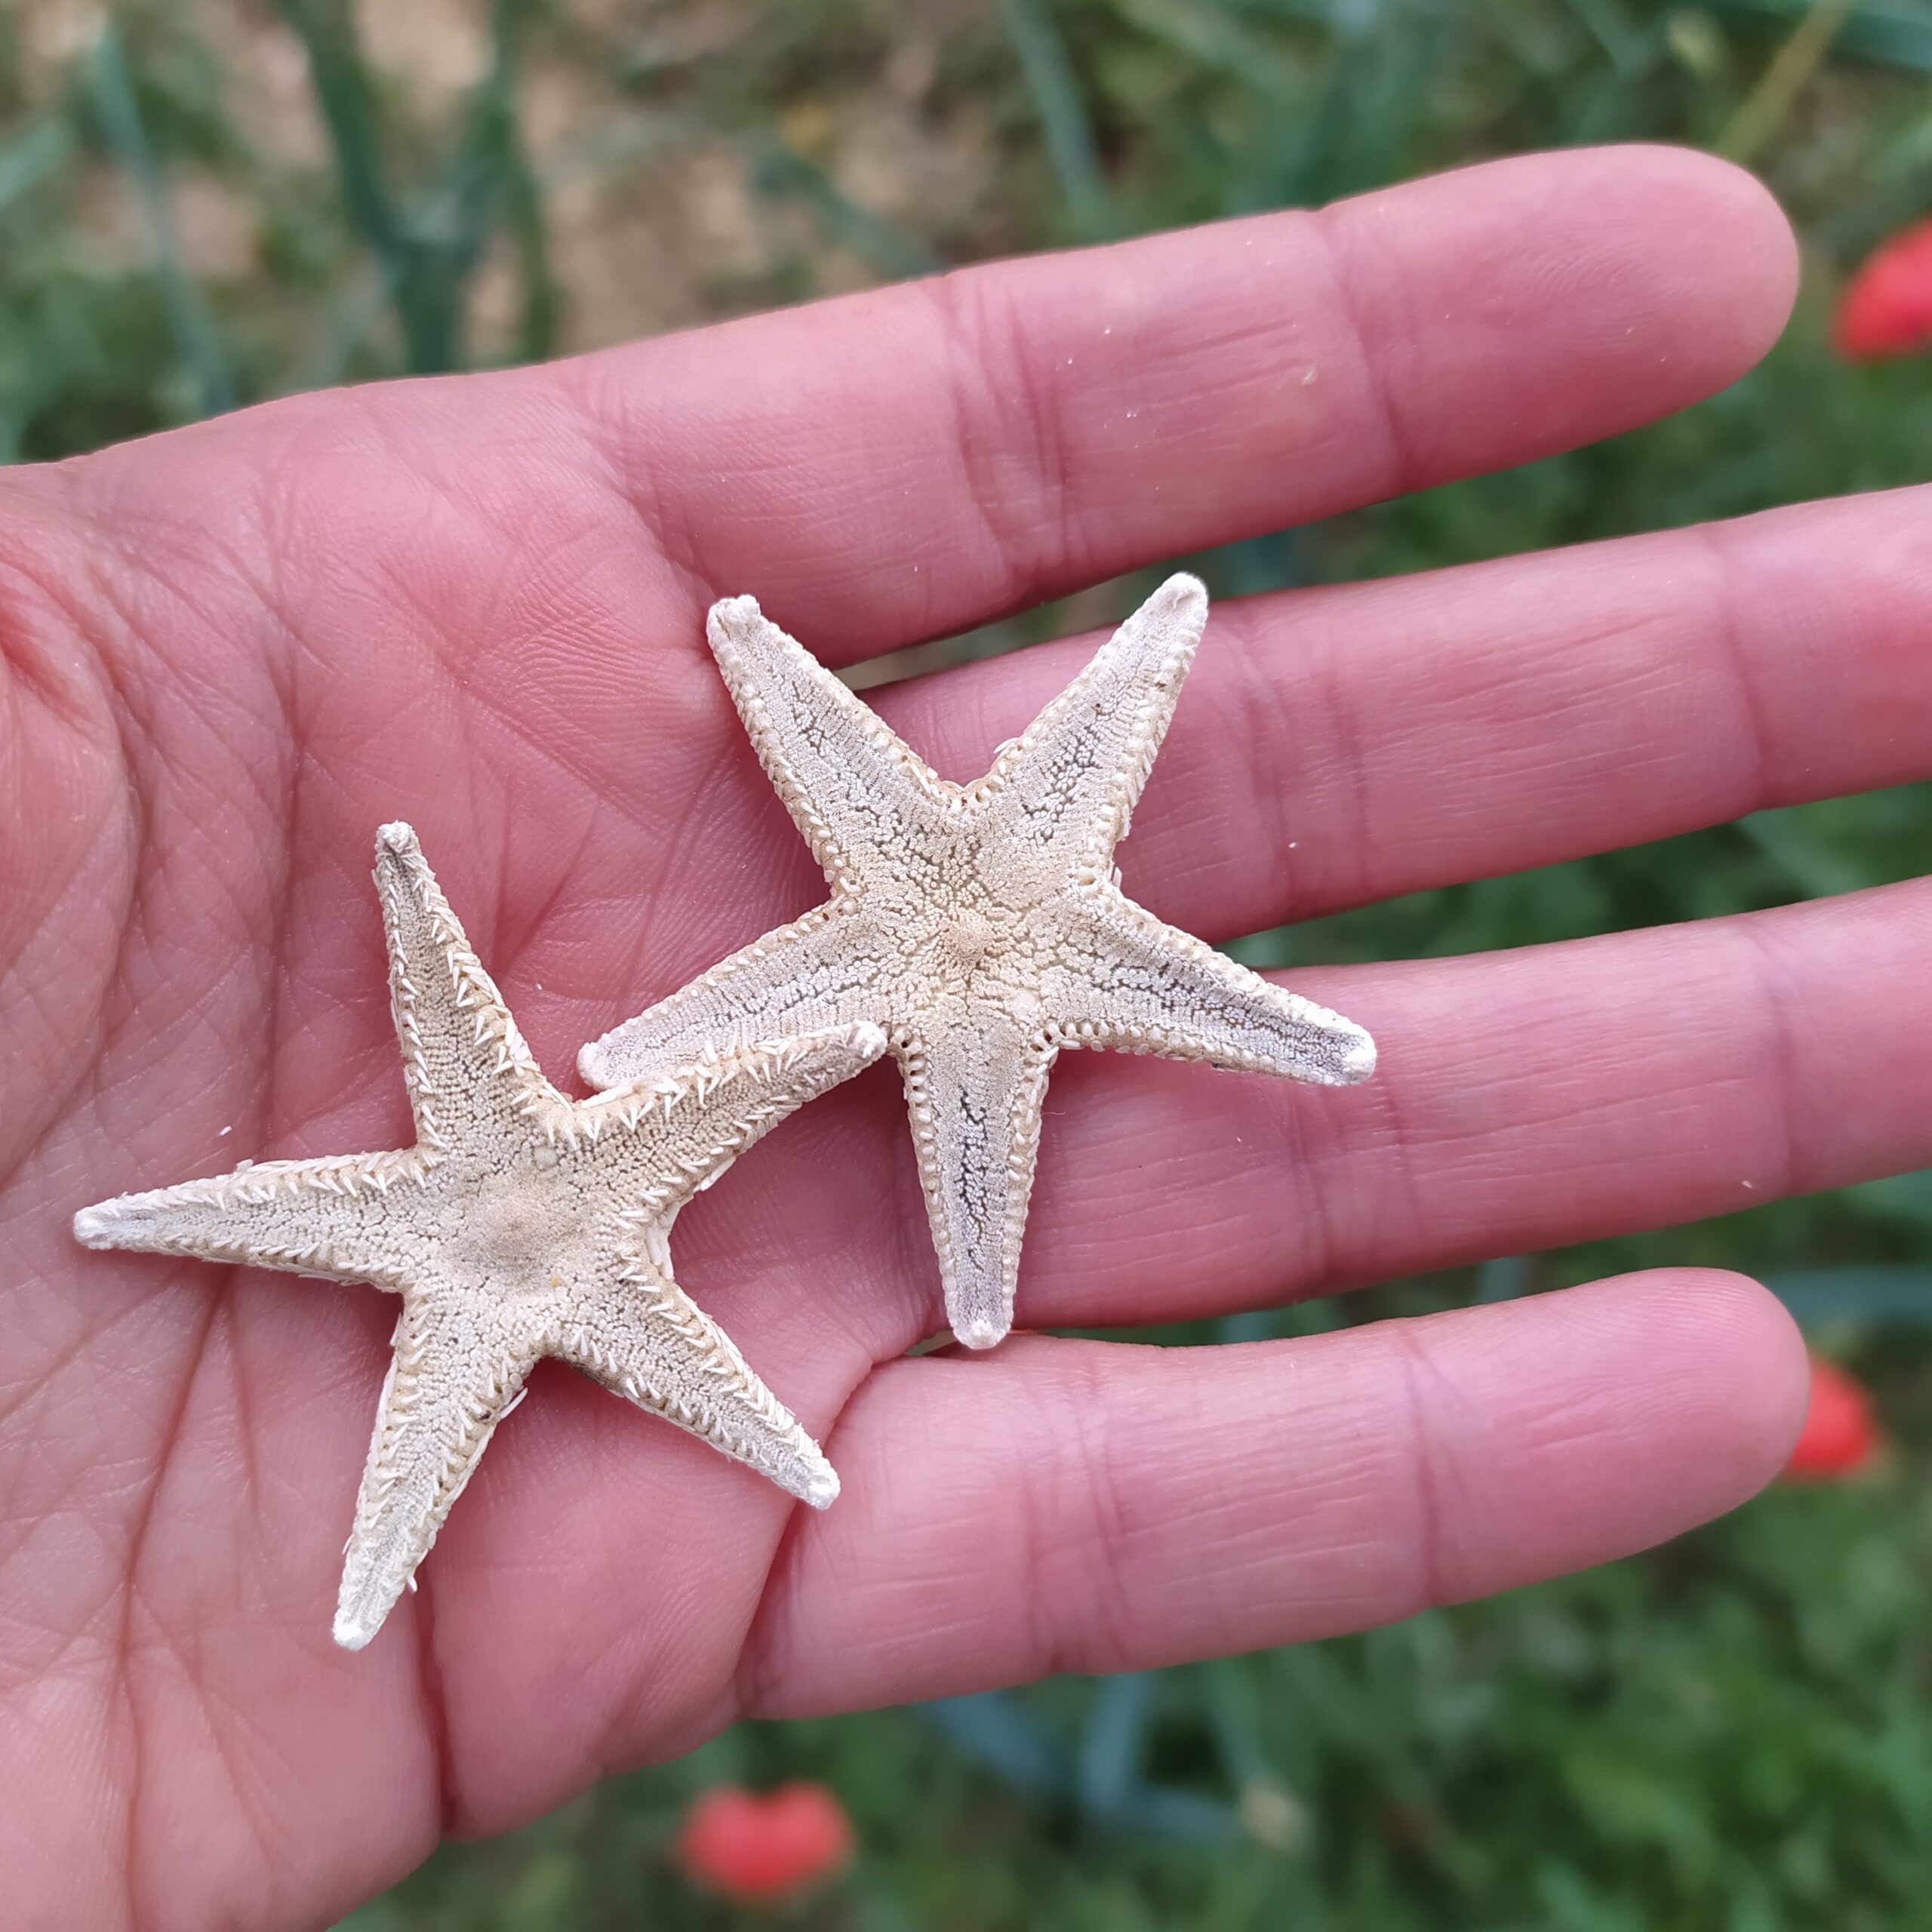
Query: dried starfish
[[522, 1224], [982, 926]]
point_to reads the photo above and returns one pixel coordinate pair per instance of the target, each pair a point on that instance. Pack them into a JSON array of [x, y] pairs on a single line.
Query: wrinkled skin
[[226, 654]]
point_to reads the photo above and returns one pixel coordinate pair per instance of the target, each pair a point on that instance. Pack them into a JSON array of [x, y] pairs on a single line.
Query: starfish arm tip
[[868, 1040], [821, 1489], [593, 1064], [1358, 1058], [397, 839], [353, 1631], [371, 1587], [99, 1226], [1340, 1055], [1182, 588], [731, 615], [981, 1331]]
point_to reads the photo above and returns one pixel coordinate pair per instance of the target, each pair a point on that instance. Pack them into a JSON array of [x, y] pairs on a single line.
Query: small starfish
[[522, 1224], [982, 926]]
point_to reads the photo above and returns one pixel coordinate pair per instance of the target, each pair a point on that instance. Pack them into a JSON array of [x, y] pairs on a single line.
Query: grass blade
[[1767, 105], [1895, 36], [883, 244], [112, 95], [1056, 94]]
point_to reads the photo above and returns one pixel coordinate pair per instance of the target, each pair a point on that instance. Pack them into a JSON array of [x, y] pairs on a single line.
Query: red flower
[[751, 1848], [1839, 1435], [1887, 310]]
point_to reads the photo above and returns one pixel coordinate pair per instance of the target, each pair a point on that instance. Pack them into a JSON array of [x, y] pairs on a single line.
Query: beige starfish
[[521, 1225], [982, 926]]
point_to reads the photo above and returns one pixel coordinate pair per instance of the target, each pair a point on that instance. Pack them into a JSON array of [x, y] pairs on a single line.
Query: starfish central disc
[[517, 1241], [963, 944]]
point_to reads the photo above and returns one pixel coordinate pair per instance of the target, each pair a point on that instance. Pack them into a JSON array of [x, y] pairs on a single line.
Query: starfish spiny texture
[[522, 1224], [982, 926]]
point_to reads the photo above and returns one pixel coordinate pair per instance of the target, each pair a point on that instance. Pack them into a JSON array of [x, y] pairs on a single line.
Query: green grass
[[1735, 1732]]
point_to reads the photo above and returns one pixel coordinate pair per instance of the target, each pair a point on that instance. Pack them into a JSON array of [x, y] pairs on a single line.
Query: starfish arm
[[1130, 983], [447, 1388], [329, 1217], [975, 1095], [1071, 779], [656, 1348], [852, 785], [465, 1061], [823, 971], [687, 1125]]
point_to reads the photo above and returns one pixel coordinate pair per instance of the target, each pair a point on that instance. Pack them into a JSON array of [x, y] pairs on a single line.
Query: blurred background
[[205, 202]]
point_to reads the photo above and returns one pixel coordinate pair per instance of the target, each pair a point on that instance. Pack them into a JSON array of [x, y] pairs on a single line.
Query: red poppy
[[751, 1848], [1886, 308], [1840, 1435]]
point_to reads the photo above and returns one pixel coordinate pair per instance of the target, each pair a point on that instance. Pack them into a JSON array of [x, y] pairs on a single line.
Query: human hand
[[477, 603]]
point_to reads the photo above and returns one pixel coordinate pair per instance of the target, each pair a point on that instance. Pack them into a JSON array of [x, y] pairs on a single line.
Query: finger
[[905, 463], [1332, 747], [1521, 1101], [1067, 1506]]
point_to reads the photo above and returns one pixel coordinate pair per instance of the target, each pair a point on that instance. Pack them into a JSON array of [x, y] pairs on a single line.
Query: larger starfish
[[522, 1224], [982, 926]]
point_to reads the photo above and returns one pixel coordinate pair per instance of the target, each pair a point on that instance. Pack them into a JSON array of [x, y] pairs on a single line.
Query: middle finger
[[1335, 746]]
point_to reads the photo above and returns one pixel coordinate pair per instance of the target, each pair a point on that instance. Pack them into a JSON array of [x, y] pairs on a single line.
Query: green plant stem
[[429, 254], [1763, 110], [113, 94], [1063, 119]]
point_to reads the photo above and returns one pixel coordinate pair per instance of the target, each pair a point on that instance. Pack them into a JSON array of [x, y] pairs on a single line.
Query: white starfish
[[522, 1224], [982, 926]]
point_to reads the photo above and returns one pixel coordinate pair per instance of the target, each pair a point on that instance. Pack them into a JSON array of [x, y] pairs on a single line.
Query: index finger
[[899, 464]]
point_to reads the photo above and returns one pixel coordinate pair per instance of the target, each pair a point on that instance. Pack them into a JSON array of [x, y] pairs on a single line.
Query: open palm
[[229, 653]]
